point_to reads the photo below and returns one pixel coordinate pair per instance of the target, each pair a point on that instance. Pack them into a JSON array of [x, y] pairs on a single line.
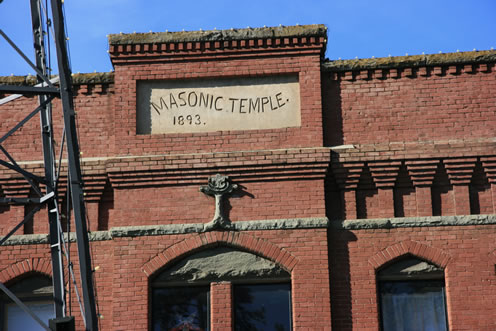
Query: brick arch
[[403, 248], [15, 270], [233, 239]]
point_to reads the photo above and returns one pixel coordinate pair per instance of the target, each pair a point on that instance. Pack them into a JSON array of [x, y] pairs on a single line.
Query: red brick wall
[[94, 119], [186, 204], [466, 252], [308, 135], [425, 107], [302, 252]]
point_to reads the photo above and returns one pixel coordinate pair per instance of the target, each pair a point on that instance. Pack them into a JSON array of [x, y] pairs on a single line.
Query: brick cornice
[[460, 170], [247, 166], [150, 47], [234, 42], [347, 175], [200, 53], [153, 170], [307, 163], [384, 173], [489, 165], [409, 61], [422, 172], [411, 66]]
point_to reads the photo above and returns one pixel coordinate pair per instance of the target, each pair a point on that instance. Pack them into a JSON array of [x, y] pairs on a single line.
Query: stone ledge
[[277, 224], [412, 222], [37, 239], [159, 230]]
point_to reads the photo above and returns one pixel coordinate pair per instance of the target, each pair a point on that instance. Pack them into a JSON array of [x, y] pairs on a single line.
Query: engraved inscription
[[220, 104]]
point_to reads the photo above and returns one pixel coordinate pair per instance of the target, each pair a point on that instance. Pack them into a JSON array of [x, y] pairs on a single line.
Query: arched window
[[261, 292], [36, 292], [412, 296]]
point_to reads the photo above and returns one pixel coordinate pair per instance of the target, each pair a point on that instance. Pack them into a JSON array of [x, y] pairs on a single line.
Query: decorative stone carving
[[218, 186]]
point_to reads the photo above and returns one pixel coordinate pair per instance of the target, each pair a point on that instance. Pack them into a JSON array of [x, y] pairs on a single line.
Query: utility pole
[[75, 177]]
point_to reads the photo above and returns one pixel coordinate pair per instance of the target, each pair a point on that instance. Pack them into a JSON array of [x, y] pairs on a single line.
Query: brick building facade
[[391, 160]]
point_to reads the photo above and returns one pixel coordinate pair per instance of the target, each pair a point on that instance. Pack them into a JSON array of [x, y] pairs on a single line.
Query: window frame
[[25, 297], [163, 279], [382, 277]]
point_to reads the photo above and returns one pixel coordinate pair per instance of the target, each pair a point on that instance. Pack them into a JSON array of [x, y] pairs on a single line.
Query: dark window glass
[[17, 319], [180, 309], [262, 307], [36, 292], [413, 305]]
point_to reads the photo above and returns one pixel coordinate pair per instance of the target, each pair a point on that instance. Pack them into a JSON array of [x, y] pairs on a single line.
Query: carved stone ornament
[[218, 187]]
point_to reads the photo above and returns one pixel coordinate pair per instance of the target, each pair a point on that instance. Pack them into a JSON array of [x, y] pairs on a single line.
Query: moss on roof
[[18, 80], [93, 78], [77, 79], [218, 35], [411, 61]]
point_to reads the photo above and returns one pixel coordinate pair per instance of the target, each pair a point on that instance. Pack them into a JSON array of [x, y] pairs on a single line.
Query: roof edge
[[77, 79], [427, 60], [315, 30]]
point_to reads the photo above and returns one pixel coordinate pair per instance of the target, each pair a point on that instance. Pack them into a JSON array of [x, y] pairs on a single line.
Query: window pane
[[413, 306], [180, 309], [17, 319], [262, 307]]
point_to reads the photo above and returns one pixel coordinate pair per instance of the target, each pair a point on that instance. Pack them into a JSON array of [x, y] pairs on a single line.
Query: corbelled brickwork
[[394, 157]]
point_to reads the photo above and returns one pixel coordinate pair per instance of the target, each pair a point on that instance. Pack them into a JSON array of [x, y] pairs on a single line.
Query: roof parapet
[[165, 46], [77, 79], [413, 61], [316, 30]]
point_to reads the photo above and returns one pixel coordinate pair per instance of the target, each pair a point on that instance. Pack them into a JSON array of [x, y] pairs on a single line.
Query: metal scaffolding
[[47, 89]]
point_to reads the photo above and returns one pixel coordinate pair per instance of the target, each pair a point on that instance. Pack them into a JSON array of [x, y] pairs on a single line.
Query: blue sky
[[356, 28]]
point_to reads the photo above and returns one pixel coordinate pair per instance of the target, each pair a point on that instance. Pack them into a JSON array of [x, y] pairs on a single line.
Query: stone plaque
[[187, 106]]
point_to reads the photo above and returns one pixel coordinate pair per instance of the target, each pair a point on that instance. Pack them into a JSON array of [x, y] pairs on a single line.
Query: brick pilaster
[[221, 308]]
